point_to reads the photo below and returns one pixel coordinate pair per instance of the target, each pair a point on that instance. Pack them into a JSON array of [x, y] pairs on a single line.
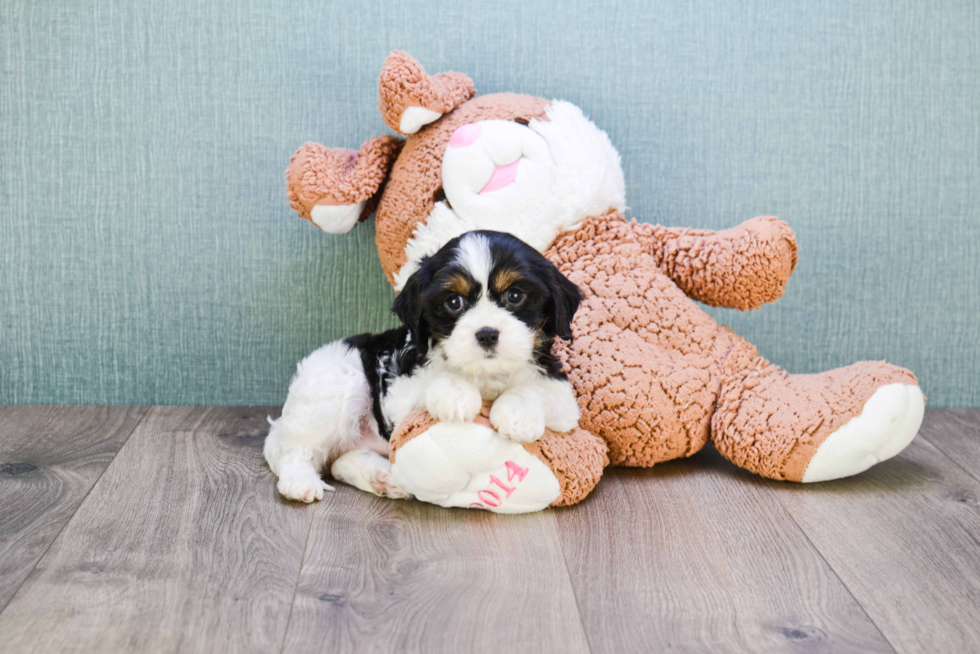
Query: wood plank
[[384, 576], [183, 545], [904, 537], [956, 433], [689, 557], [50, 457]]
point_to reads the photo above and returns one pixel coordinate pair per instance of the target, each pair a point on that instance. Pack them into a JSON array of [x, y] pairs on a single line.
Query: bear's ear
[[334, 188], [408, 98]]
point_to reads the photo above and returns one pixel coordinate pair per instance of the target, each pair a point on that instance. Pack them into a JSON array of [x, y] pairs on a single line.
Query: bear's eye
[[455, 303], [522, 121], [513, 297]]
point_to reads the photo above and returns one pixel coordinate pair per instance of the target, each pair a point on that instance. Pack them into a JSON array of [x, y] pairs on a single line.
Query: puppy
[[480, 317]]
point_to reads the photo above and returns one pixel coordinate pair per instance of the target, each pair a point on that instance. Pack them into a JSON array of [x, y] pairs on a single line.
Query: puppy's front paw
[[452, 400], [518, 417], [305, 488]]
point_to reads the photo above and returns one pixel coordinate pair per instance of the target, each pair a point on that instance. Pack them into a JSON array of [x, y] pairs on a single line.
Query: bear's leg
[[813, 427]]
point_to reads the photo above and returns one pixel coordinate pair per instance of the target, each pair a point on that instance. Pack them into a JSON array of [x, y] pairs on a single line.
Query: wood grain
[[50, 457], [687, 557], [383, 576], [904, 537], [956, 433], [182, 545]]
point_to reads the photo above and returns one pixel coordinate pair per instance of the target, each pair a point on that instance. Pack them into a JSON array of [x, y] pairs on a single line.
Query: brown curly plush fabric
[[762, 251], [657, 377], [336, 176], [644, 359], [403, 83], [414, 424], [577, 458]]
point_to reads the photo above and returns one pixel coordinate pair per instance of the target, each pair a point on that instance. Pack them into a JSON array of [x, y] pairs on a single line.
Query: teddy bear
[[655, 376]]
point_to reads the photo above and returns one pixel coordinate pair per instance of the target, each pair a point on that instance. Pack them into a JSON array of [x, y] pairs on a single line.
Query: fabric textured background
[[148, 254]]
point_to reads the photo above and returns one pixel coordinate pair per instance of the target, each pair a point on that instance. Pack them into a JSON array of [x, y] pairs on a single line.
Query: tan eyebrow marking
[[538, 336], [505, 278], [458, 283]]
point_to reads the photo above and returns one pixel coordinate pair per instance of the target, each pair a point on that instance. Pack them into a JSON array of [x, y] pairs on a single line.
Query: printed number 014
[[490, 497]]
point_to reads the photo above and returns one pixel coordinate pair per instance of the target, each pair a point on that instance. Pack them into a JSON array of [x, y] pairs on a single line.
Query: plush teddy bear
[[655, 376]]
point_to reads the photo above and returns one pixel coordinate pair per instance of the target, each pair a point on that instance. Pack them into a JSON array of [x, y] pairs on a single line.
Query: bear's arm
[[739, 268]]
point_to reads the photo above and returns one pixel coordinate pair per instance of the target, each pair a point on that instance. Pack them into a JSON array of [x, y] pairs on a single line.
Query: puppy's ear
[[564, 303], [408, 306]]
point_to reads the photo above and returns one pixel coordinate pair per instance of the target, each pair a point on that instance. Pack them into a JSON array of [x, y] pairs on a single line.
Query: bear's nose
[[487, 337], [464, 135]]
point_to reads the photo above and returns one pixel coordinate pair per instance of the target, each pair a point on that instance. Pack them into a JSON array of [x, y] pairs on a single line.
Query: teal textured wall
[[148, 254]]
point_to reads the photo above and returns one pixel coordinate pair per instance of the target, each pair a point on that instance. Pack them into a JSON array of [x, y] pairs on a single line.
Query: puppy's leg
[[298, 477], [328, 402], [368, 471]]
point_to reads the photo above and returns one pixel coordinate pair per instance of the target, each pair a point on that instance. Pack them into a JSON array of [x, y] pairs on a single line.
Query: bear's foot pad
[[888, 422]]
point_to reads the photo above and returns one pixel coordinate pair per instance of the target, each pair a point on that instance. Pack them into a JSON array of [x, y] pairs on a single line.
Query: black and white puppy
[[480, 317]]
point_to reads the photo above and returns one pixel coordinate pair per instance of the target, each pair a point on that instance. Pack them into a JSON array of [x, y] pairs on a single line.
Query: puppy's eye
[[513, 297], [455, 303]]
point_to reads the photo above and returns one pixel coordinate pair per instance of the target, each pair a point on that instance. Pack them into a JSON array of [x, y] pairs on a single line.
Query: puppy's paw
[[563, 413], [384, 485], [519, 417], [449, 399], [368, 471], [304, 488]]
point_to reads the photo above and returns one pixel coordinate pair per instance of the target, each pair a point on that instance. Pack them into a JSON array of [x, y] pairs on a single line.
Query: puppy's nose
[[487, 337]]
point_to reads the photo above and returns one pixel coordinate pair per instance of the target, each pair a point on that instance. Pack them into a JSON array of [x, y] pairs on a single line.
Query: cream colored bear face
[[533, 181]]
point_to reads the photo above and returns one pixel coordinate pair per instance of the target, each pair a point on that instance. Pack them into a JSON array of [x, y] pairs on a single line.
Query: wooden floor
[[126, 529]]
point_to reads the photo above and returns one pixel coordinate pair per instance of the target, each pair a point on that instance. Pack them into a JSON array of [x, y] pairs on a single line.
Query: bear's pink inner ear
[[409, 98]]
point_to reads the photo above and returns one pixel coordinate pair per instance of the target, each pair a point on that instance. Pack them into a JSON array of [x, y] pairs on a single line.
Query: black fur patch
[[385, 356]]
